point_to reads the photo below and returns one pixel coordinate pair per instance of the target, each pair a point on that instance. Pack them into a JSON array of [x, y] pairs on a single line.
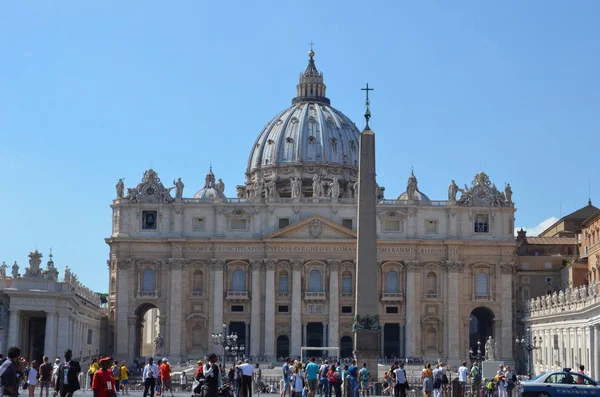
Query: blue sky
[[91, 91]]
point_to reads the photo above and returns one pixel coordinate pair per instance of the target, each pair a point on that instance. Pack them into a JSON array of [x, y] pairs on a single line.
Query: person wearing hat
[[200, 371], [103, 384], [68, 376]]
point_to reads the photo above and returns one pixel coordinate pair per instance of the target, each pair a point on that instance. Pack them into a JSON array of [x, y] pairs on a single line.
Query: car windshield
[[537, 377]]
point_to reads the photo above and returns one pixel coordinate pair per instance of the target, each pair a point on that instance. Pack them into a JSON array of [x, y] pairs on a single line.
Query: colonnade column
[[334, 305], [174, 312], [62, 340], [507, 270], [13, 327], [410, 304], [50, 337], [255, 307], [217, 325], [454, 353], [270, 308], [596, 351], [296, 308]]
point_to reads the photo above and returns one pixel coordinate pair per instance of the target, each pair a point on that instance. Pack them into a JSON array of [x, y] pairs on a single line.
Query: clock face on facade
[[482, 194], [150, 189]]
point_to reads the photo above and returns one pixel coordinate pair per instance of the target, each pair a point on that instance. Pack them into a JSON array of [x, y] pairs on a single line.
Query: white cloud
[[535, 230]]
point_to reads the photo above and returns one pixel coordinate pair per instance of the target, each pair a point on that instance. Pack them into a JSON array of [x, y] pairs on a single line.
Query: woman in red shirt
[[103, 384]]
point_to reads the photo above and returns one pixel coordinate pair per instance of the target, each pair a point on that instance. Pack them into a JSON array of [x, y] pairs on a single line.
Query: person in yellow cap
[[200, 371], [93, 368]]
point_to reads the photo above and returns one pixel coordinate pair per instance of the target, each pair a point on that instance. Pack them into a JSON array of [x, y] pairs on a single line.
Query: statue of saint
[[490, 349], [3, 268], [15, 270], [452, 191], [411, 188], [508, 193], [68, 276], [317, 187], [178, 188], [355, 190], [221, 188], [120, 188], [159, 344], [296, 187], [334, 188]]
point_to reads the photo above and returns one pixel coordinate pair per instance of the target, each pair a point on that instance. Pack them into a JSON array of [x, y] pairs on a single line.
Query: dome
[[306, 140], [211, 189], [412, 190]]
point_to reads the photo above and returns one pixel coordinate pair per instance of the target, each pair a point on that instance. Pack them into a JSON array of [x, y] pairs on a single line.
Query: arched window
[[482, 288], [346, 347], [431, 338], [431, 285], [391, 282], [346, 282], [315, 283], [197, 282], [284, 282], [148, 281], [238, 280]]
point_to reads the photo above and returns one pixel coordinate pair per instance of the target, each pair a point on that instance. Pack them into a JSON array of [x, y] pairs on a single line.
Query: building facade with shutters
[[276, 263]]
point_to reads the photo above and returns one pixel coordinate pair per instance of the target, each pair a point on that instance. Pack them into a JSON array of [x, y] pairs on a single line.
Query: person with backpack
[[323, 381], [45, 376], [116, 376], [401, 381], [511, 380], [475, 376], [364, 376]]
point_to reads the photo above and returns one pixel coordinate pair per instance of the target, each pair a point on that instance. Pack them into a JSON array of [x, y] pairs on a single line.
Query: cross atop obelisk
[[366, 322]]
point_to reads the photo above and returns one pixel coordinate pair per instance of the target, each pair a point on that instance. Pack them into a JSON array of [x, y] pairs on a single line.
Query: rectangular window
[[239, 224], [548, 280], [90, 336], [481, 224], [391, 309], [198, 224], [526, 294], [525, 265], [347, 223], [283, 309], [284, 285], [548, 265], [391, 225], [347, 309], [346, 285], [431, 227], [284, 222], [237, 308], [525, 280], [149, 220]]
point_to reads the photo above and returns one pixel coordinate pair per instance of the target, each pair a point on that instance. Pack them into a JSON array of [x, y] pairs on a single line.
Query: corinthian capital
[[296, 264], [454, 266], [124, 264], [507, 267], [412, 266], [270, 264], [334, 264], [217, 264], [256, 264], [176, 263]]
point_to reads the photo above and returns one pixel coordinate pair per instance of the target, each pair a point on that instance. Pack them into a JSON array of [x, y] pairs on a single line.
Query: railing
[[237, 295], [431, 296], [198, 293], [315, 296], [481, 297], [392, 297], [283, 294], [148, 294], [308, 200]]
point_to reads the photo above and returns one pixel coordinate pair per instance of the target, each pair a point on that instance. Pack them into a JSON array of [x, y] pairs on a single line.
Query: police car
[[560, 384]]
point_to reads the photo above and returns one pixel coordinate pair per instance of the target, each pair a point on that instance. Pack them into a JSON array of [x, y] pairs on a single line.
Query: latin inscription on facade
[[310, 248]]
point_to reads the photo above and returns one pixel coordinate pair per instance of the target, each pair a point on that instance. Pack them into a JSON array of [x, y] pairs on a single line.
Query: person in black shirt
[[211, 374], [9, 383]]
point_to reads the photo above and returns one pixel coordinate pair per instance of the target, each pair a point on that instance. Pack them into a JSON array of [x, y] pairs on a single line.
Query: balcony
[[197, 293], [480, 298], [392, 297], [315, 296], [237, 296], [147, 295]]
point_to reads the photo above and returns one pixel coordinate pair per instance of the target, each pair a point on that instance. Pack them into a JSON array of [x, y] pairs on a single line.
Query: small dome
[[211, 190], [412, 190]]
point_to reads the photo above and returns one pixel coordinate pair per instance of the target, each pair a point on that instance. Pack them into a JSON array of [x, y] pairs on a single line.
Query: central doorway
[[391, 340], [481, 327], [314, 338]]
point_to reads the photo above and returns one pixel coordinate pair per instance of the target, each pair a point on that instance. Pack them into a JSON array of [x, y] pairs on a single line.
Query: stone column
[[174, 312], [255, 307], [596, 351], [304, 335], [506, 294], [218, 265], [62, 340], [13, 328], [270, 309], [334, 304], [125, 291], [325, 336], [297, 336], [454, 352], [132, 323], [178, 219], [412, 326]]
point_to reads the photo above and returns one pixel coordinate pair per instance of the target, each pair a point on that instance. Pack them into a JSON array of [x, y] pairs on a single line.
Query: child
[[183, 381]]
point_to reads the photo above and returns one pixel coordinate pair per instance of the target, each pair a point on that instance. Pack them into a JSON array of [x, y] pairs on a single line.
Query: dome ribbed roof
[[412, 190], [211, 189]]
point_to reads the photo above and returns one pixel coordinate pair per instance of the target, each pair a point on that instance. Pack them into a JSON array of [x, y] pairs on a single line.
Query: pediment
[[313, 228]]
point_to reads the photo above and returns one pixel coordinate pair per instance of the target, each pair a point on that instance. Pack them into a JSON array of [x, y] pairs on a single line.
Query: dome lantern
[[310, 87]]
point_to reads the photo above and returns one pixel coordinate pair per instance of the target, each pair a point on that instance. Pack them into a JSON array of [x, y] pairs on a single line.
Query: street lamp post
[[529, 344], [228, 342], [478, 356]]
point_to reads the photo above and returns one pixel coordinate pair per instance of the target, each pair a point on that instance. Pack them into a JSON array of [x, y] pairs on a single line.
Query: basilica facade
[[276, 263]]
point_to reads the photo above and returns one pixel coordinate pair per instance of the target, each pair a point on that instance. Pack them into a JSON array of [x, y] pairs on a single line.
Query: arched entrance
[[147, 329], [346, 347], [283, 346], [481, 328]]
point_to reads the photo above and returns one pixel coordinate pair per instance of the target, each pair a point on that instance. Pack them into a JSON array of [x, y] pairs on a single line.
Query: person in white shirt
[[247, 371], [401, 382], [150, 375], [463, 372]]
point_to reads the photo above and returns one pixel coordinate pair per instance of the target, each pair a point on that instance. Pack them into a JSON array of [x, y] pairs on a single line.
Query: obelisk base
[[366, 350]]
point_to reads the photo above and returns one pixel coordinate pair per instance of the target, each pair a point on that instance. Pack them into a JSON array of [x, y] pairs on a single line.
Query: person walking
[[124, 371], [333, 377], [9, 384], [165, 377], [297, 381], [103, 383], [45, 376], [247, 372], [475, 376], [116, 376], [67, 381], [32, 378], [212, 375], [149, 375], [401, 381], [364, 375], [353, 390], [323, 381], [427, 380], [91, 371], [437, 381], [312, 374], [463, 373], [286, 371]]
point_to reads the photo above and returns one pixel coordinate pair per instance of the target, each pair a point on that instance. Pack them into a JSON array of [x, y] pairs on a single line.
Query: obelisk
[[366, 322]]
